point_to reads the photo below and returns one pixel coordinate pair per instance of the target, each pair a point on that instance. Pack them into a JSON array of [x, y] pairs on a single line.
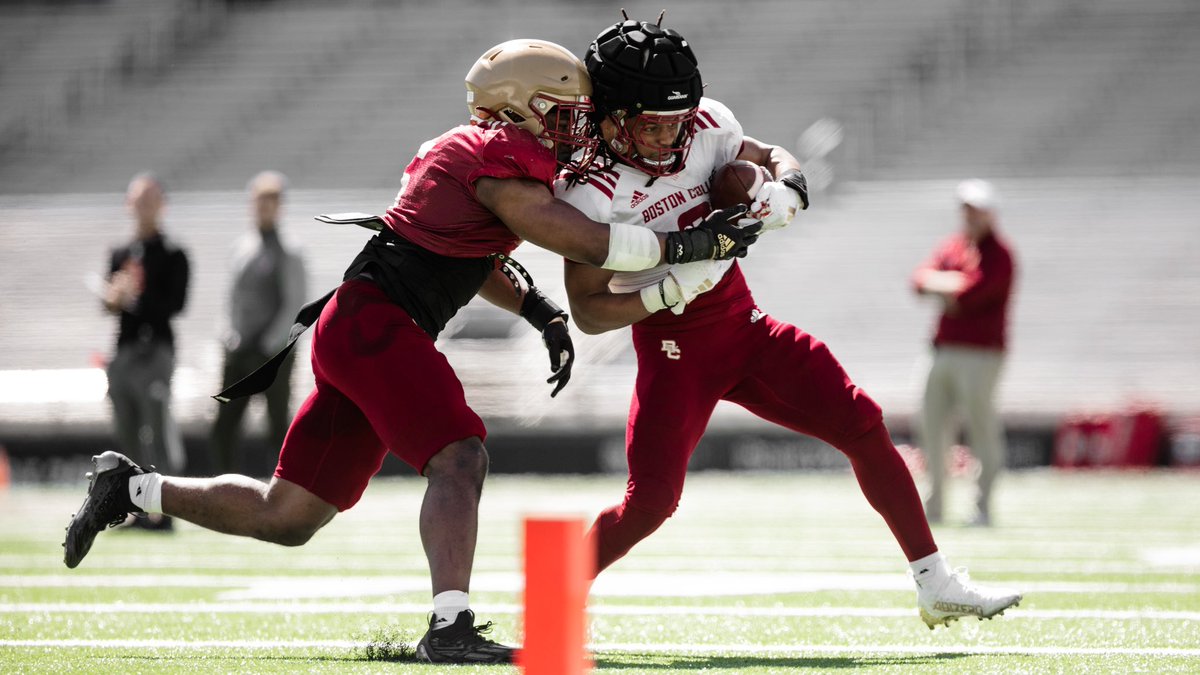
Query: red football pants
[[775, 371], [381, 385]]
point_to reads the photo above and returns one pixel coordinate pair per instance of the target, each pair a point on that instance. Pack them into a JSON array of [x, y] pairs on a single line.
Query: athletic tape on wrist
[[631, 248], [663, 295]]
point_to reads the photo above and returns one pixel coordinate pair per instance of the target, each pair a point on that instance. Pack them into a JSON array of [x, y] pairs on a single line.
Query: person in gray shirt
[[269, 286]]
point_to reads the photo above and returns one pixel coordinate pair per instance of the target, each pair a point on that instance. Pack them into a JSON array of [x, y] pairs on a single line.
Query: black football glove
[[717, 237], [557, 339], [796, 181], [551, 321]]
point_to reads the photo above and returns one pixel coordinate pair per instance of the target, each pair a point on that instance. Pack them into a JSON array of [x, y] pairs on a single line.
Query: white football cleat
[[954, 596]]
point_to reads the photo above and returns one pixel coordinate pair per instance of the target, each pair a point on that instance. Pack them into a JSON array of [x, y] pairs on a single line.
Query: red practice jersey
[[436, 207], [980, 317]]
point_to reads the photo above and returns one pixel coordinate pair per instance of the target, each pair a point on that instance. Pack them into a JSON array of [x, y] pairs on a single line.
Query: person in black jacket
[[146, 287]]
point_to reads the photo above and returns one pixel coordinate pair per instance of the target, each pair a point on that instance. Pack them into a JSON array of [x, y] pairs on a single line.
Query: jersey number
[[693, 215]]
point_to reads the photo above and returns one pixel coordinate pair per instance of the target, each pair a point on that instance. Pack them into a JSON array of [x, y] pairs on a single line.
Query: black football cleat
[[462, 642], [107, 504]]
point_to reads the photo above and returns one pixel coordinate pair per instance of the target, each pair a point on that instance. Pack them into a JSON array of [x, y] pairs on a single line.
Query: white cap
[[977, 193], [267, 182]]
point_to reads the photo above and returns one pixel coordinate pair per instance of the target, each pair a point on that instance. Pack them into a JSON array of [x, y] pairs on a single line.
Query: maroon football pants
[[381, 385], [775, 371]]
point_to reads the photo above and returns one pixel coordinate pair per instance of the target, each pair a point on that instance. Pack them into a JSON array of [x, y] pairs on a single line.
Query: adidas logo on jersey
[[638, 198]]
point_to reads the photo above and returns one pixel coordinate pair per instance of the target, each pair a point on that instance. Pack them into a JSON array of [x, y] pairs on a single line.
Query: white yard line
[[896, 649], [597, 610], [383, 564], [612, 584], [652, 648]]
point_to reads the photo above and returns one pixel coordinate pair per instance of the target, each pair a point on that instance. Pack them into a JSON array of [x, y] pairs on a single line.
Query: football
[[736, 183]]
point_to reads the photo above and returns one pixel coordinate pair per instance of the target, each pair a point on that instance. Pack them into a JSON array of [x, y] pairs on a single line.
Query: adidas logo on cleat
[[957, 608]]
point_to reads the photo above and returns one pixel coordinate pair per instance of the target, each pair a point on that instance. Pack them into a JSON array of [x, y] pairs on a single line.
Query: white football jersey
[[624, 194]]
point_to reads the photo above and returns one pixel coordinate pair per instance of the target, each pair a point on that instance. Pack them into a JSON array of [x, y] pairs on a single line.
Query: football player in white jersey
[[661, 142]]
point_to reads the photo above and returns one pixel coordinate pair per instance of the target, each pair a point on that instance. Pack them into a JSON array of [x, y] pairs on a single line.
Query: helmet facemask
[[542, 88], [563, 125], [639, 140], [567, 130]]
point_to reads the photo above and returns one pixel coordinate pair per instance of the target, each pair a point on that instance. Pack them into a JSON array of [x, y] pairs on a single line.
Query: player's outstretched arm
[[546, 317], [532, 213]]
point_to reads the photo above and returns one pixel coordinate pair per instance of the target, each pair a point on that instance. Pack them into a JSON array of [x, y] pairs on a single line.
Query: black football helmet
[[645, 77]]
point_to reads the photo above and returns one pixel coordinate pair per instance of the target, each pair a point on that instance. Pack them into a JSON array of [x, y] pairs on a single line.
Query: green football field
[[756, 573]]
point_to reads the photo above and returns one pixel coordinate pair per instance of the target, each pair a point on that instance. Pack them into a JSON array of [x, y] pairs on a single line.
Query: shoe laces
[[967, 588], [474, 631], [958, 575], [482, 629]]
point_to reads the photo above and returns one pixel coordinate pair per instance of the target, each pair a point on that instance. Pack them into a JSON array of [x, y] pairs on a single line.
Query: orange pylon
[[5, 469], [558, 563]]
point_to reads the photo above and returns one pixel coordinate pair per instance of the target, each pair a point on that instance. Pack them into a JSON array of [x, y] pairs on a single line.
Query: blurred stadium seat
[[1086, 114], [338, 96]]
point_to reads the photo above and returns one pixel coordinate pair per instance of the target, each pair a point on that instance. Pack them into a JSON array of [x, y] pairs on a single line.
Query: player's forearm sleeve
[[631, 248]]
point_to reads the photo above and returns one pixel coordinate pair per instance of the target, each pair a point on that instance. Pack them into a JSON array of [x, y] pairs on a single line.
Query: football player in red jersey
[[661, 142], [466, 200]]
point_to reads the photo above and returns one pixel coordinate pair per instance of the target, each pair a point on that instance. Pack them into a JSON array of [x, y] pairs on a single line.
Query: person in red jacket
[[972, 274]]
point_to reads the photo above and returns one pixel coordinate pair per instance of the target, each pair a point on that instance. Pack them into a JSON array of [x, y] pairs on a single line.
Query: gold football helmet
[[542, 88]]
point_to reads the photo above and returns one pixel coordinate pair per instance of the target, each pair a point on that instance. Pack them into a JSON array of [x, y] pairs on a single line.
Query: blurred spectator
[[269, 287], [972, 274], [146, 286]]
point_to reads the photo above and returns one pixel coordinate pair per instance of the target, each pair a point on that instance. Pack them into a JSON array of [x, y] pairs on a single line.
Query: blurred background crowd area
[[1084, 113]]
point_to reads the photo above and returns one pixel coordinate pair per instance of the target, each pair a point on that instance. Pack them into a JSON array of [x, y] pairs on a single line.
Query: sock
[[145, 491], [446, 607], [929, 569]]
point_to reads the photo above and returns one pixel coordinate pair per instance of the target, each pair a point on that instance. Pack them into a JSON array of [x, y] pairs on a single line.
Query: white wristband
[[663, 295], [631, 248]]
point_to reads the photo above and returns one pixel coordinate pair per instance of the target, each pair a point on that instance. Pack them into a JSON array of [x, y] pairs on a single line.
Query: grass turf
[[756, 573]]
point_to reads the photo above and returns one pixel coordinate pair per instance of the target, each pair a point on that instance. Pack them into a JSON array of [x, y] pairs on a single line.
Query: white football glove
[[698, 277], [775, 205], [684, 282]]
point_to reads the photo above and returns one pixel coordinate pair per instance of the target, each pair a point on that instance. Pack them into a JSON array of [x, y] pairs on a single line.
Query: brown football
[[736, 183]]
